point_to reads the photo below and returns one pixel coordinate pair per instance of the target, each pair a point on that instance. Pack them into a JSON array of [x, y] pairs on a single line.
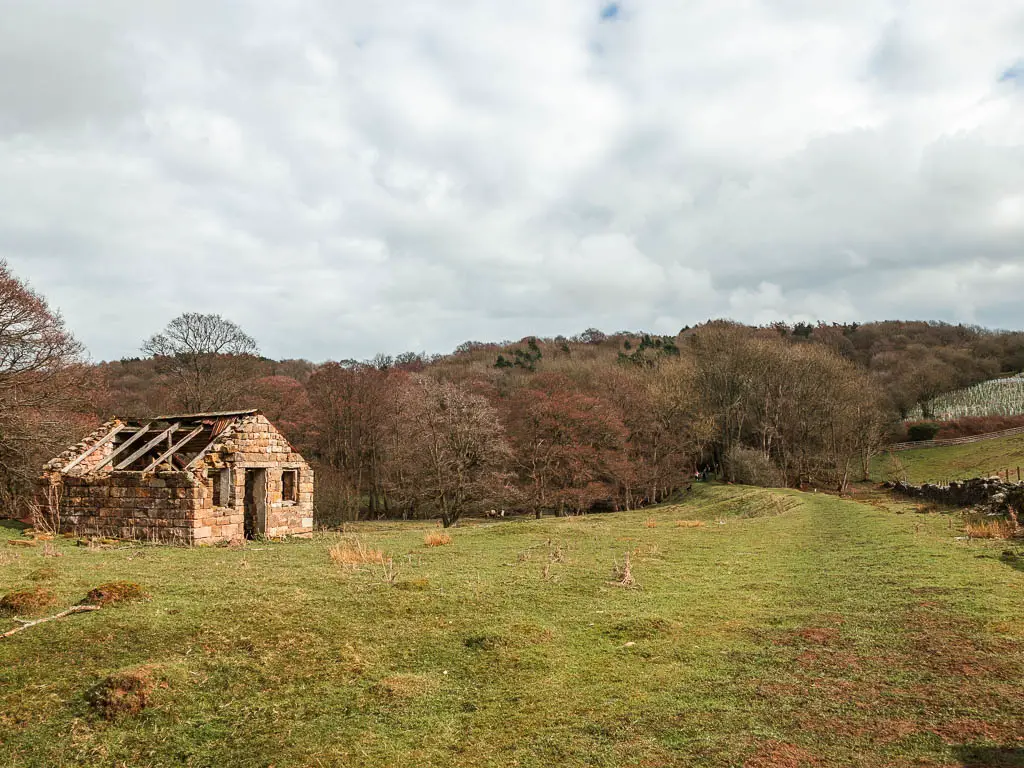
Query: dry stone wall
[[990, 493]]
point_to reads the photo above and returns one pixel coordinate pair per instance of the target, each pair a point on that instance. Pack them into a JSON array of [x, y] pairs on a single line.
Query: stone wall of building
[[254, 443], [130, 505]]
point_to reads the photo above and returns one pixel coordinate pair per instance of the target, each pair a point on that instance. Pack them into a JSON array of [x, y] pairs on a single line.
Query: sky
[[345, 178]]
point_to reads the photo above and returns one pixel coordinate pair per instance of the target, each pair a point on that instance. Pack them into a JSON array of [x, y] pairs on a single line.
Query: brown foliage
[[976, 425], [992, 528], [447, 452], [207, 360]]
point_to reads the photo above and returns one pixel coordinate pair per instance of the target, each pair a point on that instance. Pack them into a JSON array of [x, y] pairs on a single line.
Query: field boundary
[[956, 440]]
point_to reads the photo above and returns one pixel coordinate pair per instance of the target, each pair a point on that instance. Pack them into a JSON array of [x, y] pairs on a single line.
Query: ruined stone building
[[194, 479]]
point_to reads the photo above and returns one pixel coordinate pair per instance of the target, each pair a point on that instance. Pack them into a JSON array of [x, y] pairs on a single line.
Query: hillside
[[789, 629], [955, 462], [995, 397]]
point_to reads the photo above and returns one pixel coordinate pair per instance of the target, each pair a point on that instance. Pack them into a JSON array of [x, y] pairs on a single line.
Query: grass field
[[789, 630], [956, 462]]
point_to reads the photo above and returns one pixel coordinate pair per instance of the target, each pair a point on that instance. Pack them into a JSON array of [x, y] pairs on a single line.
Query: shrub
[[922, 430], [437, 539], [26, 602], [895, 469], [751, 467]]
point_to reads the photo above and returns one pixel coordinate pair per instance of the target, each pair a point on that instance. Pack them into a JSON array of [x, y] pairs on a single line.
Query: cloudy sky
[[345, 178]]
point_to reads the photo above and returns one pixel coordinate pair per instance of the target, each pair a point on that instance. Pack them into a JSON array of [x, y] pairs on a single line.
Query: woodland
[[542, 426]]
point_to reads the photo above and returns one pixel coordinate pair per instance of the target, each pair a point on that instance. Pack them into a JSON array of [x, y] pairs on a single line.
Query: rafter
[[121, 448], [127, 462], [174, 448], [95, 446]]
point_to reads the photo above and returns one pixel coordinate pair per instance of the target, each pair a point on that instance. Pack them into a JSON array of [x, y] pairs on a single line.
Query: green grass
[[790, 627], [956, 462]]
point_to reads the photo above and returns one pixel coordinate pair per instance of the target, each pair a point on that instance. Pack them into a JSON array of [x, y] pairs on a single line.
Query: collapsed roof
[[164, 443]]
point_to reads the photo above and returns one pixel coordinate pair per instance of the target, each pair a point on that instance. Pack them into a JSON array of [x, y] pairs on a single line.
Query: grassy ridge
[[956, 462], [789, 627]]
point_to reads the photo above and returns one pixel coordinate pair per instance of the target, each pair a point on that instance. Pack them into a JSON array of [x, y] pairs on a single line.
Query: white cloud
[[343, 178]]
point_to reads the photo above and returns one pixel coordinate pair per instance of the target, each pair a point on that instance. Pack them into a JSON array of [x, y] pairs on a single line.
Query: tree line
[[542, 426]]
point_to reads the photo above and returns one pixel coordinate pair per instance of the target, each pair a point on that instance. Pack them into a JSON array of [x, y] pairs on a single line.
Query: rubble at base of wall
[[988, 494]]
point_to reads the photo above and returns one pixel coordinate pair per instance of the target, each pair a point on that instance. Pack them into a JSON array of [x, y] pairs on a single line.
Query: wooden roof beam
[[121, 448], [127, 462], [174, 449], [93, 448]]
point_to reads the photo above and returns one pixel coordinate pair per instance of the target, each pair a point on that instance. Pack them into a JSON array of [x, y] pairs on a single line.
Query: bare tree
[[449, 457], [207, 358], [40, 377]]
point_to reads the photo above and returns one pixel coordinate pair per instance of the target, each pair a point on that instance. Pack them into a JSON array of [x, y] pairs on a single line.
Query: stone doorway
[[255, 503]]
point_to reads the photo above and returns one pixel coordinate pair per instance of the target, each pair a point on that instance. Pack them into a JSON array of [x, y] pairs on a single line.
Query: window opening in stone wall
[[221, 487], [289, 485]]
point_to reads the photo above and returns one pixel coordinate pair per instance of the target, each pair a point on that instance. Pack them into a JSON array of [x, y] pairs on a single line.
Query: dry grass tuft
[[26, 602], [650, 523], [50, 550], [115, 592], [623, 574], [437, 539], [123, 693], [990, 529], [353, 552], [689, 523]]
